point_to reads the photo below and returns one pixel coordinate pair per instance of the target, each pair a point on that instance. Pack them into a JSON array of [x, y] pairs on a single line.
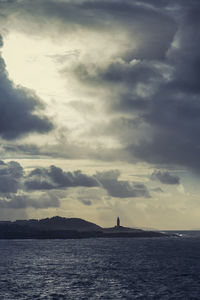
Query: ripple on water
[[100, 269]]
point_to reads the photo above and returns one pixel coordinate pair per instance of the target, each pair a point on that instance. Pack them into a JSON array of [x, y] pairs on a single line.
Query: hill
[[67, 228], [59, 223]]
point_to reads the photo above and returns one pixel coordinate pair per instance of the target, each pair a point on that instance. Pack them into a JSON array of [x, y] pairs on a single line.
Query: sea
[[100, 268]]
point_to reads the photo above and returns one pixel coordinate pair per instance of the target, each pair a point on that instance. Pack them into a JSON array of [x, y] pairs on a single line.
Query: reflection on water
[[153, 268]]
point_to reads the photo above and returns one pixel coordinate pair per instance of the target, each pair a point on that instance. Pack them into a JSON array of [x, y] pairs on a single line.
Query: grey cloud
[[167, 113], [43, 187], [149, 31], [119, 71], [60, 150], [1, 41], [54, 178], [142, 23], [130, 79], [91, 196], [165, 177], [166, 109], [119, 188], [12, 194], [186, 56], [10, 175], [24, 149], [149, 26], [24, 201], [173, 113], [168, 69]]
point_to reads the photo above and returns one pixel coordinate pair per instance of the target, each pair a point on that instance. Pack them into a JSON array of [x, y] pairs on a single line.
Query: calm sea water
[[150, 268]]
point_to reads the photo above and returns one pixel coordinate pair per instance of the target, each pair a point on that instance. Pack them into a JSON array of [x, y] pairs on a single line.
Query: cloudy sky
[[100, 111]]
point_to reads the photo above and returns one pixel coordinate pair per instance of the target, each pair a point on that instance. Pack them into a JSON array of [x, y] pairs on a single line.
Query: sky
[[100, 111]]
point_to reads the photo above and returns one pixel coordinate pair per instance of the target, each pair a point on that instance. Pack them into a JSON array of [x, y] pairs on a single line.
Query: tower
[[118, 222]]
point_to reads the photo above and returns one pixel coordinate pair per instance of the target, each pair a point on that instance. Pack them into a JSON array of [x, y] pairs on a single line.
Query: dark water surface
[[131, 268]]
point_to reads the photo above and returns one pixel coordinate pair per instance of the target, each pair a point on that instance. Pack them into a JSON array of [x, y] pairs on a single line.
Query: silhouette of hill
[[66, 228], [60, 223]]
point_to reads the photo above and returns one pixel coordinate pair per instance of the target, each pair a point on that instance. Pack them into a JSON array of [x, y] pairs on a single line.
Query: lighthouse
[[118, 222]]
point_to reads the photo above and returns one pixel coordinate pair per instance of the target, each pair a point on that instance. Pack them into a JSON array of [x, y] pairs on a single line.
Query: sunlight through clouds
[[32, 65], [102, 87]]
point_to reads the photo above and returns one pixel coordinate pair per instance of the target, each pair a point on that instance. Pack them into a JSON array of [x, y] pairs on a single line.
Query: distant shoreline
[[68, 228], [72, 234], [77, 235]]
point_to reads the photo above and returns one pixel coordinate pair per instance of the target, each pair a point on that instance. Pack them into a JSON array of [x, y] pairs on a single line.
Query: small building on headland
[[118, 226]]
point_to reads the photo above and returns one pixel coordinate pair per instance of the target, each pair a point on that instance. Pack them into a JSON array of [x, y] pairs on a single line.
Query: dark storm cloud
[[54, 178], [119, 188], [163, 95], [174, 109], [154, 81], [147, 25], [10, 175], [129, 76], [43, 187], [118, 72], [18, 107], [165, 177], [12, 178]]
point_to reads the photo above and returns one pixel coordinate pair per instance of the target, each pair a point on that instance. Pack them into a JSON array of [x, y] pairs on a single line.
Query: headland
[[68, 228]]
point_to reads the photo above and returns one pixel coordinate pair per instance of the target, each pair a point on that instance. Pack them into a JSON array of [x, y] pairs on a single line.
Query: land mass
[[66, 228]]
